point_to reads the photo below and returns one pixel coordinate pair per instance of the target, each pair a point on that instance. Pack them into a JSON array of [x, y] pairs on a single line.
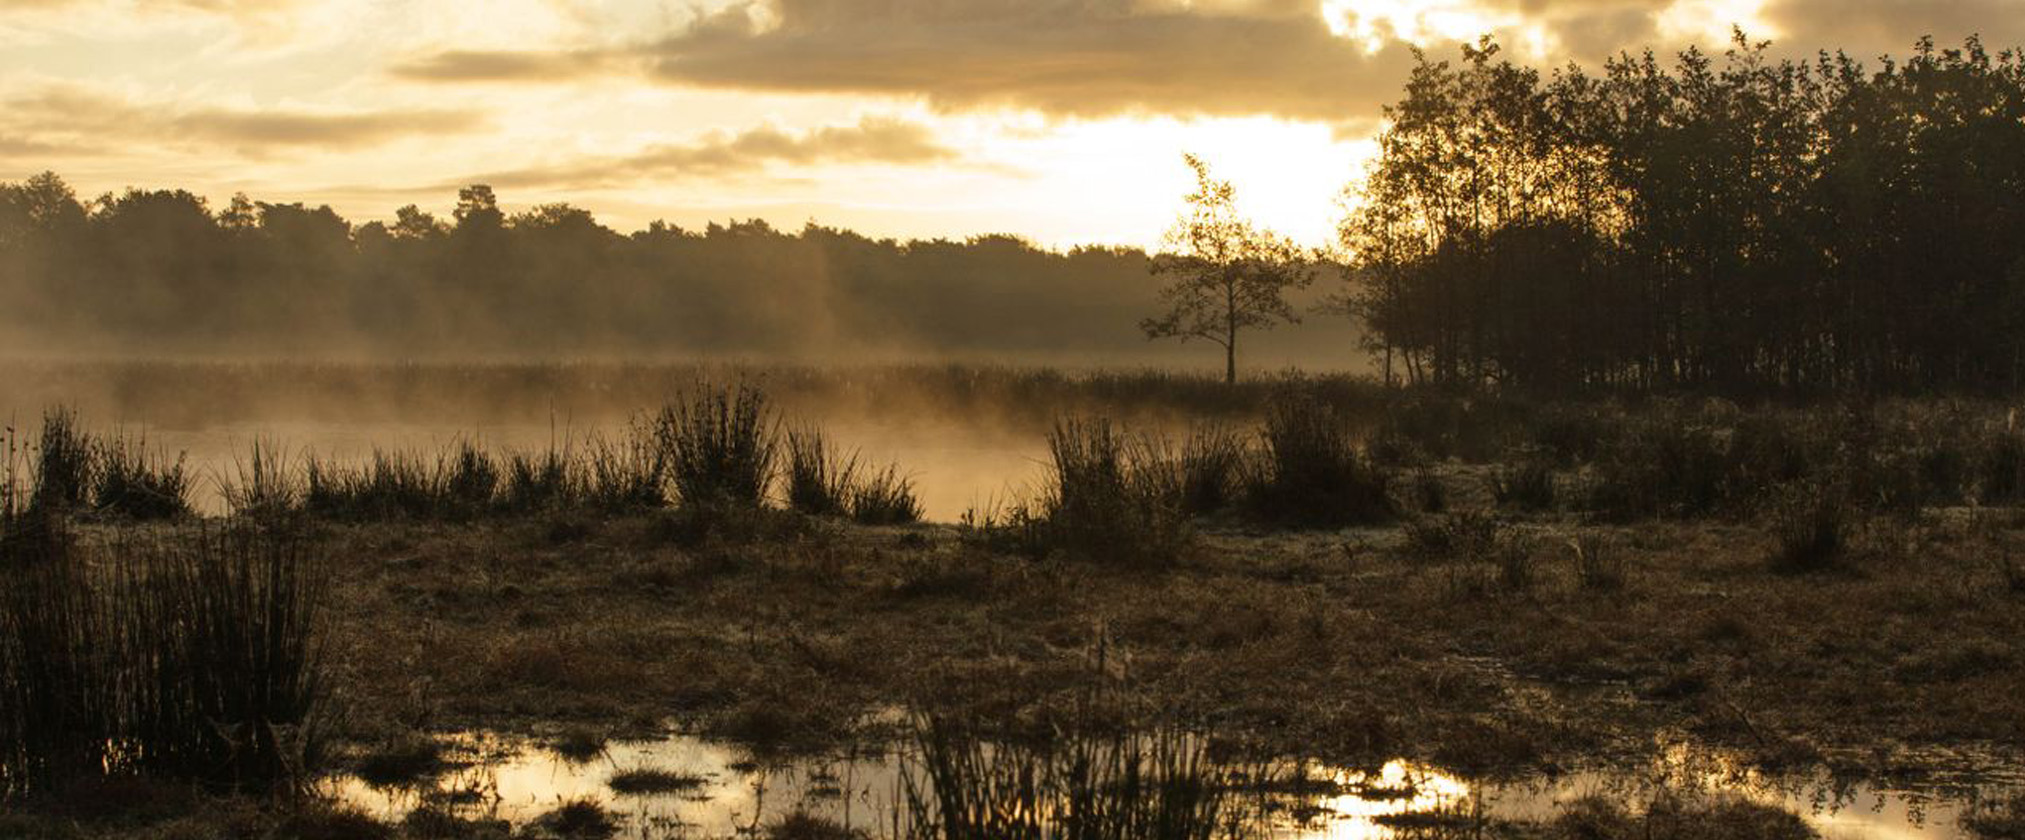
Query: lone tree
[[1228, 275]]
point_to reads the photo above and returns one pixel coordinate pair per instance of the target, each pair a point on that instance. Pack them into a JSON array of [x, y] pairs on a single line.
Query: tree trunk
[[1230, 361]]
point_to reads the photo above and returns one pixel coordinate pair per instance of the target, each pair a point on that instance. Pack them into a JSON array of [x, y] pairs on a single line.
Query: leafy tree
[[1726, 224], [1228, 275]]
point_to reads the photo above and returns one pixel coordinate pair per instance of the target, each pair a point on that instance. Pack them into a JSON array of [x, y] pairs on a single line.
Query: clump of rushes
[[1465, 535], [136, 482], [470, 478], [626, 475], [536, 482], [1810, 527], [1599, 565], [1212, 459], [884, 498], [1313, 474], [63, 464], [819, 480], [1105, 504], [263, 488], [721, 446], [1527, 485], [198, 658], [823, 482]]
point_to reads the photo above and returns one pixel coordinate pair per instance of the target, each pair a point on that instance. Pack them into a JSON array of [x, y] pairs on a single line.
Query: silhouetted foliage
[[1727, 224], [160, 272]]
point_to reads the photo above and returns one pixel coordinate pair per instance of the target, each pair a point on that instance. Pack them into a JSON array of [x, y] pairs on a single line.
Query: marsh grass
[[402, 761], [1211, 468], [1001, 526], [1311, 472], [884, 498], [652, 781], [1665, 465], [624, 475], [62, 477], [1810, 527], [536, 482], [578, 819], [721, 445], [262, 487], [1102, 787], [469, 480], [196, 657], [819, 479], [1466, 535], [134, 481], [1525, 486], [1679, 815], [1107, 500]]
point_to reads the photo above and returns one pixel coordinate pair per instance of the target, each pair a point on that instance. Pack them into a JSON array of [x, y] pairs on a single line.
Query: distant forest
[[161, 272], [1726, 224], [1731, 224]]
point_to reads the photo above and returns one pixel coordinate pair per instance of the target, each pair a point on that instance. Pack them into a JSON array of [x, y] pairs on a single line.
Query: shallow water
[[517, 781]]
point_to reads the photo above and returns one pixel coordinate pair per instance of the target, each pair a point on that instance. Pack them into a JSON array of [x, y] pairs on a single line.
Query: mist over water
[[967, 437]]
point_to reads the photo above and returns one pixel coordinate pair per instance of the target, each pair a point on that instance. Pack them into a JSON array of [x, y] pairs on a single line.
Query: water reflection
[[946, 785]]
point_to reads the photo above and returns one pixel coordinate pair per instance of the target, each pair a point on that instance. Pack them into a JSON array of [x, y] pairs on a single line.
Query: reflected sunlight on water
[[517, 781]]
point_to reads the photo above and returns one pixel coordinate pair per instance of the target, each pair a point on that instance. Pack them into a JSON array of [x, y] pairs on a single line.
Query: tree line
[[1726, 224], [162, 271]]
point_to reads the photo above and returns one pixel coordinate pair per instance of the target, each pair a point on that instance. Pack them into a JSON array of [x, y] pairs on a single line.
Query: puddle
[[892, 793]]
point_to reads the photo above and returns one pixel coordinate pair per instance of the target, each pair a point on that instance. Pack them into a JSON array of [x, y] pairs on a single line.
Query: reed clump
[[72, 471], [721, 445], [1312, 473], [198, 657], [1105, 499], [820, 481], [1122, 786]]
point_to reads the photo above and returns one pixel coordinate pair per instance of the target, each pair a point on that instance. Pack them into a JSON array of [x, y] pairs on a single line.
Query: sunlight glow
[[1709, 22]]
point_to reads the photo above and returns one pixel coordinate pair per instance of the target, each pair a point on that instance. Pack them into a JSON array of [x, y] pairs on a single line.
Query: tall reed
[[721, 445], [1160, 786], [819, 479], [196, 657], [1312, 473], [136, 482], [1107, 500]]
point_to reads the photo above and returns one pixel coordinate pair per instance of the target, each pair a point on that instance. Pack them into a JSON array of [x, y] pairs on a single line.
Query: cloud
[[333, 131], [20, 147], [1082, 58], [873, 139], [229, 8], [1873, 26], [502, 66], [67, 114]]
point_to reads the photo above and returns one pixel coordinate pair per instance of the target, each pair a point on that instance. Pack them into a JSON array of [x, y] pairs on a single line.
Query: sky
[[1063, 121]]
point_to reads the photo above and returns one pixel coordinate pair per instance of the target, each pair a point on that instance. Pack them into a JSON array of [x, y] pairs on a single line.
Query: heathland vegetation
[[1457, 566], [1683, 569]]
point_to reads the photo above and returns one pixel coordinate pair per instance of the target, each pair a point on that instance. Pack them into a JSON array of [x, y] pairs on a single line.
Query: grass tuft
[[1105, 501], [721, 446], [649, 781], [1313, 474]]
